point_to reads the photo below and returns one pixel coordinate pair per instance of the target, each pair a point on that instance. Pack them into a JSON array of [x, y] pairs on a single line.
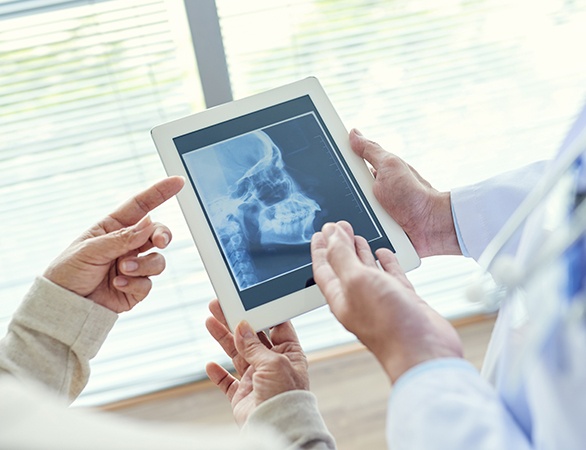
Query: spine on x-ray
[[232, 238]]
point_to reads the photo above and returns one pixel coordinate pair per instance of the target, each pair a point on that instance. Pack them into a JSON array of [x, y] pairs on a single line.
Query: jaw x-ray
[[265, 192]]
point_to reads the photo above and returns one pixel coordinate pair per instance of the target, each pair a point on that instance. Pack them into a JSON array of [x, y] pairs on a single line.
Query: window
[[460, 89], [81, 84]]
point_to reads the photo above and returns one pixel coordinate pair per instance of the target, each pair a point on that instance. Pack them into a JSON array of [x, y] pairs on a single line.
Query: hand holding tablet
[[265, 173]]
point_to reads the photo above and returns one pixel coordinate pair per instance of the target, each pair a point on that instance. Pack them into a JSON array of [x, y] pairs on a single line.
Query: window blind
[[81, 85]]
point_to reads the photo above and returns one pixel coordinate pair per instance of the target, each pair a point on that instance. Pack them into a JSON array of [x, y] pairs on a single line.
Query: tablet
[[263, 174]]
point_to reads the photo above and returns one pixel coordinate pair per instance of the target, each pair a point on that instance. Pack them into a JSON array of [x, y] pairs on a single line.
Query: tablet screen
[[266, 182]]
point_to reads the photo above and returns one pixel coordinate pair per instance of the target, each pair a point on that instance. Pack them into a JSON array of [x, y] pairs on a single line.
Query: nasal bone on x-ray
[[259, 205]]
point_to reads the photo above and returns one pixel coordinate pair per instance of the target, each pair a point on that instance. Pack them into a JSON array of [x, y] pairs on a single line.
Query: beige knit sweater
[[44, 364]]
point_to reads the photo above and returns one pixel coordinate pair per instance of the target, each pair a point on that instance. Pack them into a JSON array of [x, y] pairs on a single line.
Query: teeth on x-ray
[[288, 222]]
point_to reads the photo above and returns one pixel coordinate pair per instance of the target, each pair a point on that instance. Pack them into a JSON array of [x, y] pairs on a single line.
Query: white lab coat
[[446, 404]]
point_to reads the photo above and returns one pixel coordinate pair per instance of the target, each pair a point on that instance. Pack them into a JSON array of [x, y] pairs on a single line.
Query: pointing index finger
[[141, 204]]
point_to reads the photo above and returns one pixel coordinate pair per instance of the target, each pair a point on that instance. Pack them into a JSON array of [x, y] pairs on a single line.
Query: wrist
[[397, 367], [54, 276], [442, 239], [423, 346]]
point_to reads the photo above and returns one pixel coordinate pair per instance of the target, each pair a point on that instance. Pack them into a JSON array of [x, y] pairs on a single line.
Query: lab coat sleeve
[[52, 337], [446, 404], [480, 210]]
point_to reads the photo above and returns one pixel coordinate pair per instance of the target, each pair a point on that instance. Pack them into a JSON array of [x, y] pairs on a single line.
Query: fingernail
[[245, 330], [357, 132], [166, 239], [120, 282], [129, 266], [144, 223]]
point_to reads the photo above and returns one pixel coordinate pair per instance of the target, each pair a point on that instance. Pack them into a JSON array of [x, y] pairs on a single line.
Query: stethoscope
[[502, 277], [501, 273]]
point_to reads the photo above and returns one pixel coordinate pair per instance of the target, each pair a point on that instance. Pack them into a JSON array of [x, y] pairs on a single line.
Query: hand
[[424, 213], [379, 306], [105, 263], [266, 367]]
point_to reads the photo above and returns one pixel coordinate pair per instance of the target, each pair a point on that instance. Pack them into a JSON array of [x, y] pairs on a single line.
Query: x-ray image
[[267, 191]]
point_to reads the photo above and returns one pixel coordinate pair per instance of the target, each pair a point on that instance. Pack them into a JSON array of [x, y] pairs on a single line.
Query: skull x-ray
[[254, 204], [265, 191]]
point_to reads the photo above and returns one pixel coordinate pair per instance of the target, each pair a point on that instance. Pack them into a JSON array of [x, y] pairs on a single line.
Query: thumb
[[367, 149], [112, 245], [249, 345]]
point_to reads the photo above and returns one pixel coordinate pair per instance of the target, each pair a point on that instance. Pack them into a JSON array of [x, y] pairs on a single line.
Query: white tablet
[[263, 174]]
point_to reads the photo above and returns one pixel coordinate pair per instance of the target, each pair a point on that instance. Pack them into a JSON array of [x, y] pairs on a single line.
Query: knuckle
[[391, 162], [158, 263], [142, 205], [124, 237], [253, 348], [144, 287], [373, 145], [163, 263]]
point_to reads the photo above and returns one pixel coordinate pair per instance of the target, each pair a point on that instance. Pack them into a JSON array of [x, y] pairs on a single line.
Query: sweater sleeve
[[34, 419], [52, 336], [50, 341], [295, 416]]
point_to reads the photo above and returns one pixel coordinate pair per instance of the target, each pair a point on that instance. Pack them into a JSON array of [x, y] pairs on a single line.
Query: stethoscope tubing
[[517, 220]]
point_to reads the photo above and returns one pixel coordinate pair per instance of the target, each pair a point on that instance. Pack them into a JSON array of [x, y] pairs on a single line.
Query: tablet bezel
[[306, 299]]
